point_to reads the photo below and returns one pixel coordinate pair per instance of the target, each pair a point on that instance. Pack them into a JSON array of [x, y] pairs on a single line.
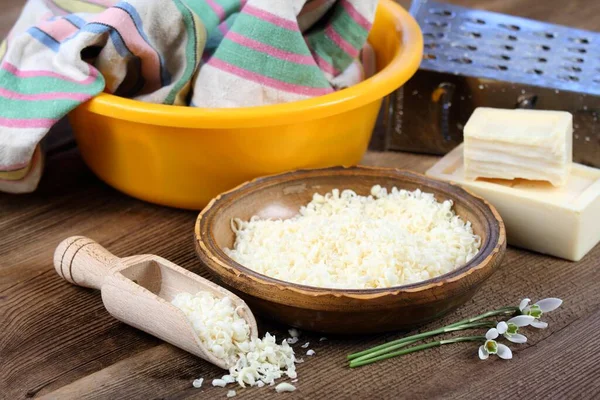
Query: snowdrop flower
[[510, 328], [492, 347], [538, 309]]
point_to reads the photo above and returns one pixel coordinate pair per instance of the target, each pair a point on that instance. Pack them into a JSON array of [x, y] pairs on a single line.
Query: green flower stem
[[500, 311], [396, 344], [447, 328], [359, 363]]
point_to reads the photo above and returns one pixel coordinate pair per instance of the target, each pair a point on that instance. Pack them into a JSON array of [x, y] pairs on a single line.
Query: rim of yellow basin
[[402, 66]]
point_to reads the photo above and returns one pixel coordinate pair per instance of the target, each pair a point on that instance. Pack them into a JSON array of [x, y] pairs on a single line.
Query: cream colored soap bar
[[560, 221], [528, 144]]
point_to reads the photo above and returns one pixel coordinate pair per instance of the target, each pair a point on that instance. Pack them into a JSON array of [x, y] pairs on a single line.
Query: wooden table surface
[[57, 341]]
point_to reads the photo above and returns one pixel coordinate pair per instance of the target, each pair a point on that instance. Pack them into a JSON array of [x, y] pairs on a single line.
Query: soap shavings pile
[[343, 240], [254, 361]]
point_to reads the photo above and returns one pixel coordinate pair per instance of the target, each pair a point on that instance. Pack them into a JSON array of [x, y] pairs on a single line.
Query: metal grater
[[476, 58]]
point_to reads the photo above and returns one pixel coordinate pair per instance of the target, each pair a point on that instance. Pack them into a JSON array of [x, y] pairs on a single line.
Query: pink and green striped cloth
[[202, 53]]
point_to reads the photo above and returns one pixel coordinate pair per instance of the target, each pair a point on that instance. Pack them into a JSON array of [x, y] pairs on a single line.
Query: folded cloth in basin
[[216, 53]]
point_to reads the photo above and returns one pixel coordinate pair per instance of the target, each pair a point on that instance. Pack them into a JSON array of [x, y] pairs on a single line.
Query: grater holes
[[429, 56], [462, 60], [463, 46], [501, 57], [547, 35], [437, 24], [508, 47], [573, 68], [510, 27], [512, 38], [434, 35], [542, 60], [497, 67], [579, 50], [477, 21], [575, 59], [441, 13], [579, 40], [430, 45], [572, 78], [544, 47], [475, 35], [536, 71]]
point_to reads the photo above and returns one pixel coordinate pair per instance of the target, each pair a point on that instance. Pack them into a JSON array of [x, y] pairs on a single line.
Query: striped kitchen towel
[[218, 53], [279, 51], [62, 53]]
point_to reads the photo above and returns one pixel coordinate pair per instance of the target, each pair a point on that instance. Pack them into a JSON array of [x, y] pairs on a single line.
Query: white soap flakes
[[305, 345], [227, 335], [260, 384], [291, 374], [231, 393], [292, 340], [295, 380], [294, 332], [216, 321], [311, 353], [342, 240], [219, 382], [285, 387], [264, 360], [322, 339], [197, 383]]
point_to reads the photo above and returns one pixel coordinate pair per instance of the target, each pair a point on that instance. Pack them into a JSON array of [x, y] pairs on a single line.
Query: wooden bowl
[[344, 311]]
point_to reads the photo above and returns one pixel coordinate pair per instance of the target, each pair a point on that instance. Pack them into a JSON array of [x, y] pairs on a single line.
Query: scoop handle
[[83, 262]]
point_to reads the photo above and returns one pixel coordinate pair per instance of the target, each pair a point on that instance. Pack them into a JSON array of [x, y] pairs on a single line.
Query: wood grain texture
[[57, 341]]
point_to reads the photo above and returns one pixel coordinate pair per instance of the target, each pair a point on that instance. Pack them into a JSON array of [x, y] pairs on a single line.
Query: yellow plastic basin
[[184, 156]]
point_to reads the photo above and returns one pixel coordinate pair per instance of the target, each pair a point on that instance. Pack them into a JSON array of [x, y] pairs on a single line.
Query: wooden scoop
[[138, 291]]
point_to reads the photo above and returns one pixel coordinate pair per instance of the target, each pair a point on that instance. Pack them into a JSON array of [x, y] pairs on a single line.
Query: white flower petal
[[549, 304], [521, 320], [517, 338], [539, 324], [501, 327], [504, 352], [524, 303], [483, 354], [491, 334]]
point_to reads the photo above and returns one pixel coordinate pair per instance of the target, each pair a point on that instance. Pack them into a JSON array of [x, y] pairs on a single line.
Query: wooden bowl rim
[[209, 252]]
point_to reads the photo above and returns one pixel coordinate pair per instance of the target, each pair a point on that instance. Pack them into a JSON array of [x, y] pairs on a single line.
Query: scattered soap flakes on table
[[294, 332], [226, 334], [197, 383], [285, 387], [231, 393], [305, 345], [219, 382], [310, 352]]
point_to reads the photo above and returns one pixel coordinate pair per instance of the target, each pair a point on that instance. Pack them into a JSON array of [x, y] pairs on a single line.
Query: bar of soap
[[527, 144], [559, 221]]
